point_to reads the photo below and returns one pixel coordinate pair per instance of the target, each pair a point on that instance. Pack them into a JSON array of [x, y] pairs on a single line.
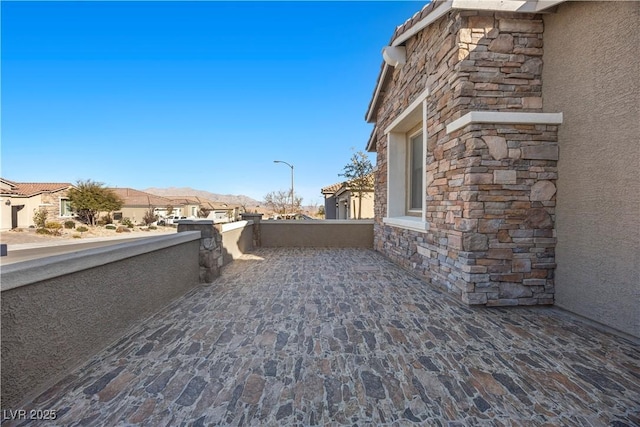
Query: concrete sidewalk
[[292, 336]]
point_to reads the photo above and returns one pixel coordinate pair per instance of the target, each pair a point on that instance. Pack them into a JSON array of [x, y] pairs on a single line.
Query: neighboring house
[[330, 204], [137, 203], [20, 200], [190, 206], [341, 201], [507, 154], [218, 211]]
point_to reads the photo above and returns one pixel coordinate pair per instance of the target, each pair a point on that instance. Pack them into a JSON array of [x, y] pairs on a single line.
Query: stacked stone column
[[210, 256]]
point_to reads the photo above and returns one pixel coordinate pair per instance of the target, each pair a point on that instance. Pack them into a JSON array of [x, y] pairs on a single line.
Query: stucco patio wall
[[59, 311], [237, 239], [318, 233]]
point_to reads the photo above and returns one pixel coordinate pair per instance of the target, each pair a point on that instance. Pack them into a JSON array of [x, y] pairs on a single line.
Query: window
[[65, 208], [416, 177], [406, 166]]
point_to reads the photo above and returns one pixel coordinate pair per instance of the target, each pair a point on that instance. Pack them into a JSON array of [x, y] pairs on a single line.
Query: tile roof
[[417, 17], [205, 203], [28, 189], [330, 189], [132, 197], [334, 188]]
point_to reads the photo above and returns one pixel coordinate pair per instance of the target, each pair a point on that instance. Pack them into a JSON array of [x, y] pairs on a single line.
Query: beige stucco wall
[[25, 215], [59, 311], [591, 74], [237, 239], [329, 233]]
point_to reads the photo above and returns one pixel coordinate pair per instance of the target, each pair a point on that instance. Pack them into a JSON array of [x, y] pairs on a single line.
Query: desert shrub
[[123, 229], [127, 222], [40, 218], [51, 225], [77, 236], [153, 227], [82, 229], [43, 231], [149, 217], [110, 227], [69, 224]]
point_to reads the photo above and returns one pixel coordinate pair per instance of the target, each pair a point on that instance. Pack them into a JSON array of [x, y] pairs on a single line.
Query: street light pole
[[291, 166]]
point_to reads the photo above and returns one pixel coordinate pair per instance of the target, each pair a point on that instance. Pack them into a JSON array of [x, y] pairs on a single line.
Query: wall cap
[[36, 270], [505, 117], [319, 221]]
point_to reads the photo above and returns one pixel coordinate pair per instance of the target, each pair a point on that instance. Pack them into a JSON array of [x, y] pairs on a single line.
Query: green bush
[[77, 236], [110, 227], [82, 229], [153, 227], [69, 224], [42, 231], [127, 222], [51, 225]]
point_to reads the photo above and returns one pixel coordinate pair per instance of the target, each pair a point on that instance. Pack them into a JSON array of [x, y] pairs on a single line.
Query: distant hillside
[[186, 191]]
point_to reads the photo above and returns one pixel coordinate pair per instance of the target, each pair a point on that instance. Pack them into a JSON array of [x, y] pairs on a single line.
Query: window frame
[[411, 137], [409, 123], [64, 201]]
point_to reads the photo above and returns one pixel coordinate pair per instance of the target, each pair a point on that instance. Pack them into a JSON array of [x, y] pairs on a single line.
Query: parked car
[[171, 219]]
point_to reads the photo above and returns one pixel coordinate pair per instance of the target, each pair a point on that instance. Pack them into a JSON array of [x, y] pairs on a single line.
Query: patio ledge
[[36, 270]]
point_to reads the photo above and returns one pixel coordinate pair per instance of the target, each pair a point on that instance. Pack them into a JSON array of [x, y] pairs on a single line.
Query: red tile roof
[[331, 189], [132, 197], [28, 189]]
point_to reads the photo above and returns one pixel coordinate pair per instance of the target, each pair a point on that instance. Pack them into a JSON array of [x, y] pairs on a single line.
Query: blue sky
[[190, 94]]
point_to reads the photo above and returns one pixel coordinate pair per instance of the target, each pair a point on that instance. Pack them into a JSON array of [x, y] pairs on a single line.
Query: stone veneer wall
[[51, 202], [210, 253], [490, 187]]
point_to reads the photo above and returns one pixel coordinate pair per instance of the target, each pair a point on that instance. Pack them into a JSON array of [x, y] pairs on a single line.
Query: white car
[[171, 219]]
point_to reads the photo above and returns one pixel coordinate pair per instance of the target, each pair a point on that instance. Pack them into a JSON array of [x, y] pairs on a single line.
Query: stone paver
[[344, 337]]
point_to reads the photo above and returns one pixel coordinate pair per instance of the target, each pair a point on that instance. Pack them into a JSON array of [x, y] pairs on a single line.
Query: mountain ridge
[[214, 197]]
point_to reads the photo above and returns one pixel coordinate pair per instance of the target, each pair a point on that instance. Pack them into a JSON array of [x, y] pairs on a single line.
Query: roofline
[[64, 186], [401, 34]]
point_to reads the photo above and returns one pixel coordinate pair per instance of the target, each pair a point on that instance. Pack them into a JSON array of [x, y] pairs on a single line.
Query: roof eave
[[525, 6]]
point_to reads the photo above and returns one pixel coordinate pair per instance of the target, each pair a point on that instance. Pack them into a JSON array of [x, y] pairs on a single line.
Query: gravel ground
[[28, 235]]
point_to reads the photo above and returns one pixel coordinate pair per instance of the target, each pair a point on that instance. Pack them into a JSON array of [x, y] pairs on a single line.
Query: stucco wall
[[237, 239], [329, 233], [68, 313], [591, 74]]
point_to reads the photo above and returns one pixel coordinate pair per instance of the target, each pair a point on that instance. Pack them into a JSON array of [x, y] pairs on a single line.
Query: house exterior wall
[[50, 201], [135, 214], [490, 210], [591, 74], [349, 206], [330, 207], [25, 215]]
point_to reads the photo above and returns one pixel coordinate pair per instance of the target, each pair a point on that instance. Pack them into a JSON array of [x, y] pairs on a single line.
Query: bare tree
[[279, 201]]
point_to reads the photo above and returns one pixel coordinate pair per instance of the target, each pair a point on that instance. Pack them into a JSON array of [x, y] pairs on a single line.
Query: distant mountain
[[186, 191]]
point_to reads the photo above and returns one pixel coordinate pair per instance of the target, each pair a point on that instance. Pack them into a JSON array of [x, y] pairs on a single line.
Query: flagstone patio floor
[[307, 337]]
